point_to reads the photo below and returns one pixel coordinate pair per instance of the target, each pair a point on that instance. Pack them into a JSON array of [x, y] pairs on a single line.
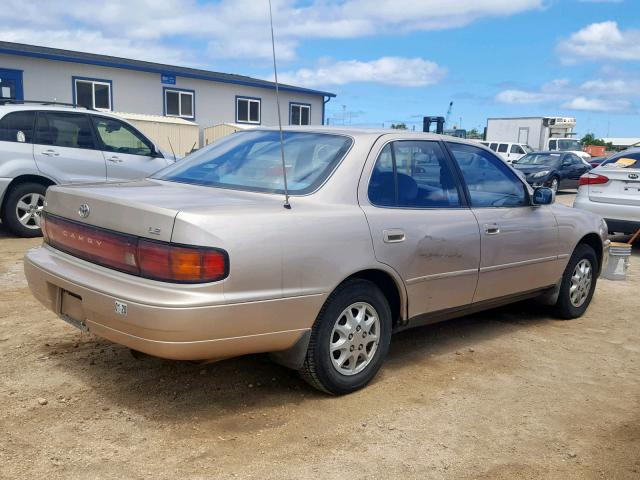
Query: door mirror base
[[542, 196]]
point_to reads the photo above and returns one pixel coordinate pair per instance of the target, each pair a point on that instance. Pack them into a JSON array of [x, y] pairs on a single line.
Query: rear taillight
[[150, 259], [592, 179], [173, 263]]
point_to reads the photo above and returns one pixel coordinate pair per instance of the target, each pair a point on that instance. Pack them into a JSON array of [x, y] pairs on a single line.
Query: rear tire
[[22, 208], [349, 339], [578, 283]]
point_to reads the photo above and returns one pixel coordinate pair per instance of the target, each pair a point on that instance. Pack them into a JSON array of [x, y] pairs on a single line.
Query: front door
[[519, 242], [65, 148], [419, 223], [128, 154], [11, 84]]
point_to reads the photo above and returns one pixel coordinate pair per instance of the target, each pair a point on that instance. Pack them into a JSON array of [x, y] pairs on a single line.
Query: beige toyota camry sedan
[[385, 231]]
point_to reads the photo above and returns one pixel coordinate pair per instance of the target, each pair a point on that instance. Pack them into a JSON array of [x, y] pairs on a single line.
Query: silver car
[[385, 231], [612, 190]]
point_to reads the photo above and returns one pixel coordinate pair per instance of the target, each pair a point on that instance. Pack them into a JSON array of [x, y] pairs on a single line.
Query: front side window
[[178, 103], [252, 161], [69, 130], [300, 114], [17, 127], [517, 150], [490, 182], [248, 110], [413, 174], [119, 137], [95, 94]]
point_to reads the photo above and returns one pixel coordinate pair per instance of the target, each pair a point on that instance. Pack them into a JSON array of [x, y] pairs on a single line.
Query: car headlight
[[541, 174]]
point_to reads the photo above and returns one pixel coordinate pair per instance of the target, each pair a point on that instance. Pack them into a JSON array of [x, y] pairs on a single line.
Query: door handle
[[491, 228], [114, 159], [50, 153], [393, 235]]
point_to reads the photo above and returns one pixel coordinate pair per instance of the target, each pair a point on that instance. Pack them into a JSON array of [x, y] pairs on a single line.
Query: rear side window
[[490, 182], [17, 127], [64, 130], [413, 174], [503, 147]]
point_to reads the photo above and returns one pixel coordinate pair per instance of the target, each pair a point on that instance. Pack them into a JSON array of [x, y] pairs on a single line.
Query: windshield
[[565, 145], [251, 161], [539, 159]]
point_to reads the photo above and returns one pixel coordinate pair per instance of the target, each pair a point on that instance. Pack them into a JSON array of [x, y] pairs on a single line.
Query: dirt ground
[[506, 394]]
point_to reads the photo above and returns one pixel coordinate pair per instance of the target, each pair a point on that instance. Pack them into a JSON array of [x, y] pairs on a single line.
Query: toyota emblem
[[84, 210]]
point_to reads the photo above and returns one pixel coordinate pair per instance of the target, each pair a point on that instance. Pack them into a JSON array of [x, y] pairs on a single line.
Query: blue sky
[[387, 61]]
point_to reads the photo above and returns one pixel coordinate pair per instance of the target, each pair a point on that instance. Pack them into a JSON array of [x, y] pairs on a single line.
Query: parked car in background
[[509, 152], [45, 144], [612, 190], [596, 161], [384, 231], [552, 169]]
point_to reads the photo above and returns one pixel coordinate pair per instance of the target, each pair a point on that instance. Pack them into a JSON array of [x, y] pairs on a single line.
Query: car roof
[[11, 107]]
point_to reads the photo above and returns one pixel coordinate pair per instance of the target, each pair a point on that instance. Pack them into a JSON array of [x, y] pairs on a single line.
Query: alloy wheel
[[354, 338], [28, 210], [580, 282]]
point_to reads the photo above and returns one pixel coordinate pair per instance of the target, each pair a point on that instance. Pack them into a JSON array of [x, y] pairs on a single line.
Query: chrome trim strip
[[517, 264], [437, 276], [563, 255]]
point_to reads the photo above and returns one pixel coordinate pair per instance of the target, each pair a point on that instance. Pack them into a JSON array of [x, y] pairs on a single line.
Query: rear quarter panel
[[575, 224]]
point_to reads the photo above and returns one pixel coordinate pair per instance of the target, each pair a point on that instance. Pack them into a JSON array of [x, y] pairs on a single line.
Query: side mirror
[[542, 196]]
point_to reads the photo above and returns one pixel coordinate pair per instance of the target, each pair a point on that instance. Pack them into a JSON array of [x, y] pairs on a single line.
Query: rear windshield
[[630, 160], [252, 161]]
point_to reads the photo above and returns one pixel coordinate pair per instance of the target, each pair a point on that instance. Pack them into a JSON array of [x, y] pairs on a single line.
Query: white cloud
[[406, 72], [614, 95], [230, 28], [600, 41], [521, 97], [597, 105]]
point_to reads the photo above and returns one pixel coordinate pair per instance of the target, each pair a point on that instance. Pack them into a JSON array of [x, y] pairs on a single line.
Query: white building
[[116, 84]]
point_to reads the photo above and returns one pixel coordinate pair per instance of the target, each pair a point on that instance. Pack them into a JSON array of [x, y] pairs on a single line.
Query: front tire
[[554, 184], [22, 209], [349, 339], [578, 283]]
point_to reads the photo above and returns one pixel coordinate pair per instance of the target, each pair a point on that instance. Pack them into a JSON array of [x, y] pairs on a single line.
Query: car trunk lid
[[145, 208], [623, 186]]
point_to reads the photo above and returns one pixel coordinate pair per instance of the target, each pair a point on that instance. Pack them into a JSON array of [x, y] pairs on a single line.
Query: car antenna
[[171, 147], [287, 205]]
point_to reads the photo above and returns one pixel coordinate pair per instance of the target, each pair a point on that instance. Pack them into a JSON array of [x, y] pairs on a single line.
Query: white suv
[[509, 152], [48, 144]]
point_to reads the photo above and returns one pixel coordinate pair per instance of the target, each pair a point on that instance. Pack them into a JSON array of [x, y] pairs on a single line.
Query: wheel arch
[[595, 242], [47, 182]]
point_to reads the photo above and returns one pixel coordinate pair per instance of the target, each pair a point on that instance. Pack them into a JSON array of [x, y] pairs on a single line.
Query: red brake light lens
[[150, 259], [592, 179]]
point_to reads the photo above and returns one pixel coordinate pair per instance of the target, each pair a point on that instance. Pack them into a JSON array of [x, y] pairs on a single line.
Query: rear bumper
[[619, 218], [181, 332]]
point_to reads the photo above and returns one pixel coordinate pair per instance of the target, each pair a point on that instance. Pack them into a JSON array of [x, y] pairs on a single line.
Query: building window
[[179, 103], [299, 114], [92, 93], [247, 110]]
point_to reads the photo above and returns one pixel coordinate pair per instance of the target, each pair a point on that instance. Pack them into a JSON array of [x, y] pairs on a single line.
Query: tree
[[590, 139], [399, 126]]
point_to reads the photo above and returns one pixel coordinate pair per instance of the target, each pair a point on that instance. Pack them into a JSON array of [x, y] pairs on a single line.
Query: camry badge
[[633, 176], [84, 210]]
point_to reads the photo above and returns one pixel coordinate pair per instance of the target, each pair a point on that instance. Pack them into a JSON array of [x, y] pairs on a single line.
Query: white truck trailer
[[540, 133]]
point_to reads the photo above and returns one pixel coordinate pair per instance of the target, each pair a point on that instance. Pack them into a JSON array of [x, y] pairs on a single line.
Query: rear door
[[577, 169], [419, 223], [65, 148], [127, 152], [519, 242], [623, 186]]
